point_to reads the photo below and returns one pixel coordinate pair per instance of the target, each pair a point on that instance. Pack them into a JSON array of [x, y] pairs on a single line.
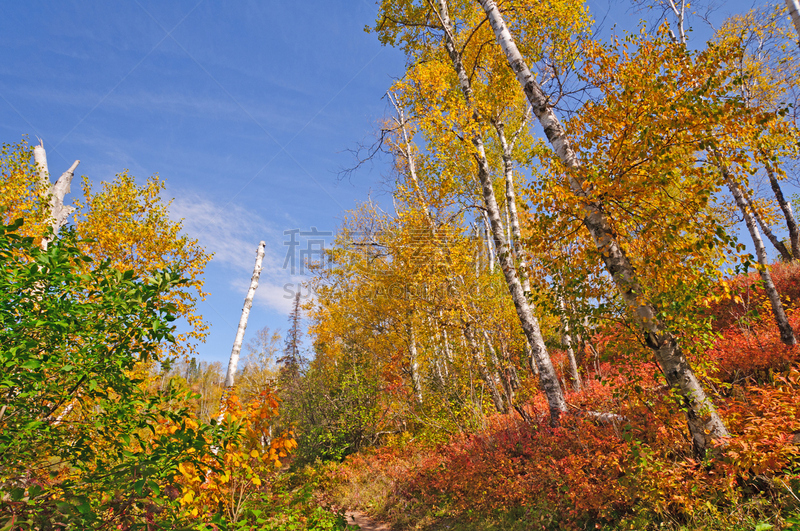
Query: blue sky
[[245, 108]]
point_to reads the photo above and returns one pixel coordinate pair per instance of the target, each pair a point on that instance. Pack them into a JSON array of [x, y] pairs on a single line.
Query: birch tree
[[54, 192], [794, 11], [233, 362], [130, 225], [769, 72], [787, 334], [704, 422], [470, 132]]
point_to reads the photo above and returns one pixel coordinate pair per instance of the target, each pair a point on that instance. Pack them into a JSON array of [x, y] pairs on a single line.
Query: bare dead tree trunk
[[55, 192], [530, 325], [59, 214], [704, 422], [233, 363], [787, 334]]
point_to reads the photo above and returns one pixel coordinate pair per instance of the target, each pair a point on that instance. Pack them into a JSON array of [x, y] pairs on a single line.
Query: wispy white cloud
[[276, 296], [280, 116], [232, 233]]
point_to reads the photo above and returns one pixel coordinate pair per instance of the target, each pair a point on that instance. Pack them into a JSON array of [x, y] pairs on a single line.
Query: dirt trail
[[364, 522]]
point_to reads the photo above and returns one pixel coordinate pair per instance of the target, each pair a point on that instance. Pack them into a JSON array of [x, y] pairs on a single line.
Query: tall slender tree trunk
[[233, 362], [501, 371], [530, 325], [513, 219], [448, 352], [59, 215], [573, 364], [438, 350], [704, 422], [413, 363], [479, 357], [787, 334], [487, 230], [779, 245], [786, 208], [794, 10]]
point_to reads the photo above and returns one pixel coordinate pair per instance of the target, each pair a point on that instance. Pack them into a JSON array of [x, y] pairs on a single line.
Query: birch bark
[[704, 422], [794, 10], [513, 217], [779, 245], [573, 364], [487, 230], [55, 192], [530, 325], [233, 363], [787, 334], [501, 371], [490, 382], [413, 355], [786, 208]]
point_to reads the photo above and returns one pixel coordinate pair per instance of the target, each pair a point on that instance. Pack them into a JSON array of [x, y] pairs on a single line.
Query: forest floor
[[364, 522]]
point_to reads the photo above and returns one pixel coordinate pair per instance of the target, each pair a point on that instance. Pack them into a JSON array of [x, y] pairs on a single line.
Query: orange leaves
[[765, 428], [245, 462], [749, 345], [588, 472]]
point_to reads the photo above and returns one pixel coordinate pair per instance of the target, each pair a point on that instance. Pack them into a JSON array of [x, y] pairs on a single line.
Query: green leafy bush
[[80, 446]]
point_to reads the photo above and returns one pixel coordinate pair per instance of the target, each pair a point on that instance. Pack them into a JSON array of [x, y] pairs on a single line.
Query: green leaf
[[32, 364]]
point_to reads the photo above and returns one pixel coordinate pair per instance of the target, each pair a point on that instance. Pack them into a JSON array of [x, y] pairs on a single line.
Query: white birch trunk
[[55, 192], [786, 208], [440, 351], [233, 363], [59, 214], [491, 383], [573, 364], [704, 421], [40, 159], [787, 334], [794, 10], [413, 363], [499, 372], [511, 241], [779, 245], [513, 220], [530, 325], [487, 230], [448, 352]]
